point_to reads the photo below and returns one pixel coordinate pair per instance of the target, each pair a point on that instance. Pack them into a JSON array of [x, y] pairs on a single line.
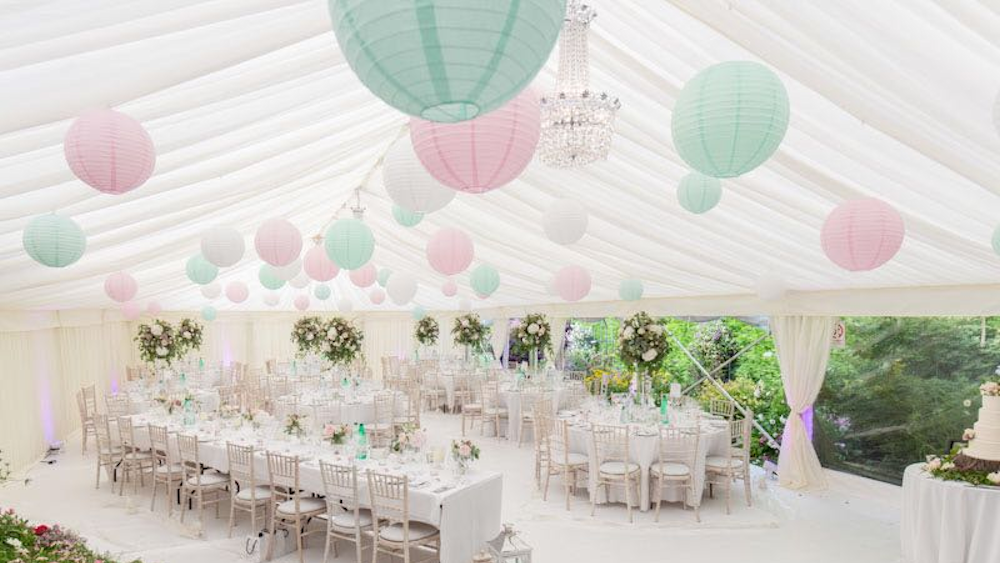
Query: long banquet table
[[467, 512]]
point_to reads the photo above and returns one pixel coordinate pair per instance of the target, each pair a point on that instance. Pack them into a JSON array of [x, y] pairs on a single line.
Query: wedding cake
[[985, 436]]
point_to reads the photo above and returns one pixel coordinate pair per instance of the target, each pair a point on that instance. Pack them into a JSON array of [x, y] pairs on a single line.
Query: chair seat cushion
[[618, 467], [418, 531], [174, 468], [345, 520], [494, 411], [208, 480], [472, 407], [138, 456], [306, 505], [262, 492], [570, 459], [669, 469], [719, 462]]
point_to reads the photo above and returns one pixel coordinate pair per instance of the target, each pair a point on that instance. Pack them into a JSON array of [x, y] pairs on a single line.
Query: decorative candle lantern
[[508, 547]]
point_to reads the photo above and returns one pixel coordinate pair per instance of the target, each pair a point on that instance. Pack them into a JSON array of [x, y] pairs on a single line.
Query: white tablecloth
[[517, 400], [948, 521], [361, 410]]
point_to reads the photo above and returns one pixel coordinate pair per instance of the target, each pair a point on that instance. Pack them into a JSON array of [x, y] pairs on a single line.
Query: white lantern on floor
[[508, 547]]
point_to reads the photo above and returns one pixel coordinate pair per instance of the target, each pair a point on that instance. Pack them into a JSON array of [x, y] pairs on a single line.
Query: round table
[[948, 521]]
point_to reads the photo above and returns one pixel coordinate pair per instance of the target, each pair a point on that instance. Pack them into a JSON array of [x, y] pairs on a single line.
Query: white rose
[[649, 355], [656, 329], [465, 322], [309, 336], [627, 333], [525, 339], [161, 351], [187, 334], [641, 331], [968, 434], [967, 403], [532, 328], [933, 464], [994, 477], [156, 330], [947, 466], [331, 334]]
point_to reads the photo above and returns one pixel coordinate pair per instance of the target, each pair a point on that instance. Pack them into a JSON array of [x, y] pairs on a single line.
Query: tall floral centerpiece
[[470, 332], [189, 336], [340, 341], [306, 334], [531, 336], [426, 331], [643, 343], [158, 343]]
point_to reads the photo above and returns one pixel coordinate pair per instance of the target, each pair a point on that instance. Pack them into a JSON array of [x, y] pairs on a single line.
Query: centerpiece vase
[[467, 354], [533, 360]]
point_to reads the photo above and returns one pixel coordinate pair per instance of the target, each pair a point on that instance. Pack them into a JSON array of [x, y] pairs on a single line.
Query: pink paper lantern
[[862, 234], [109, 151], [450, 251], [377, 296], [484, 153], [365, 275], [449, 288], [153, 308], [278, 242], [302, 302], [131, 310], [237, 292], [572, 283], [318, 265], [120, 287]]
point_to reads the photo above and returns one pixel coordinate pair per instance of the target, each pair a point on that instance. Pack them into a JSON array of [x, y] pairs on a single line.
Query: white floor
[[856, 520]]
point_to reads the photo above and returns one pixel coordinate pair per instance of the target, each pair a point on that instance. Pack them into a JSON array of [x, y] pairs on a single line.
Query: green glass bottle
[[362, 443]]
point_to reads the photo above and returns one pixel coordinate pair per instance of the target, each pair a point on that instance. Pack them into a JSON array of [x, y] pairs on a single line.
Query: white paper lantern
[[288, 271], [344, 305], [402, 287], [222, 246], [212, 290], [408, 184], [565, 222], [271, 299], [300, 281], [770, 287]]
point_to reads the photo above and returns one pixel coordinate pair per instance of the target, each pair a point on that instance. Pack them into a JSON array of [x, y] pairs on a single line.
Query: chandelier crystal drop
[[577, 122]]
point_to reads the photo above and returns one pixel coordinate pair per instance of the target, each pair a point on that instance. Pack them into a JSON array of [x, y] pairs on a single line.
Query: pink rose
[[465, 450]]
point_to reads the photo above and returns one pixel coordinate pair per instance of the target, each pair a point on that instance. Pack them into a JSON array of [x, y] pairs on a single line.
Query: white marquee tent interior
[[255, 113]]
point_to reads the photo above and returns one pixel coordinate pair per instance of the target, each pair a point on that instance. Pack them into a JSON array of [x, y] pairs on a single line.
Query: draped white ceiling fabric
[[255, 114]]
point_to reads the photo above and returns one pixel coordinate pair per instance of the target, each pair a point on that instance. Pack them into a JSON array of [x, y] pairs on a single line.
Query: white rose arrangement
[[642, 342], [426, 331], [341, 341], [304, 335], [532, 333], [470, 331], [158, 341]]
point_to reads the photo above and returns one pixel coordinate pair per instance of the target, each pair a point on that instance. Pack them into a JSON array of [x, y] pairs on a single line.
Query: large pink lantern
[[862, 234], [364, 276], [450, 251], [318, 265], [484, 153], [237, 292], [120, 286], [377, 296], [449, 288], [572, 283], [278, 242], [109, 151], [302, 302], [154, 308], [131, 310]]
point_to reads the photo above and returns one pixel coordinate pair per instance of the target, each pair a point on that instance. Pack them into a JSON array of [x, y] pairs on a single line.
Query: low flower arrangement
[[944, 468], [464, 451], [295, 425], [340, 341], [20, 542], [409, 437], [256, 418], [189, 336], [169, 404], [158, 342], [427, 331], [642, 343], [533, 333], [470, 331], [336, 434], [306, 334]]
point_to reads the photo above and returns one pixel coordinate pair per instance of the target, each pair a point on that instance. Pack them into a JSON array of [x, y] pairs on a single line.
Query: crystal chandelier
[[577, 123]]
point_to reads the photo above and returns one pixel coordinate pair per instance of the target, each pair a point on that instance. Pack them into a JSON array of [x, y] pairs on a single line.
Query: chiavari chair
[[290, 509], [245, 495], [86, 402], [614, 466], [558, 460], [165, 469], [109, 456], [135, 460], [678, 461], [394, 533], [197, 485], [725, 469], [345, 519]]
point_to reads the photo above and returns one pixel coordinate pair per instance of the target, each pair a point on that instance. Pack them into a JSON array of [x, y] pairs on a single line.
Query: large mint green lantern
[[53, 240], [630, 289], [269, 278], [484, 280], [698, 193], [201, 271], [208, 313], [730, 118], [349, 243], [405, 217], [446, 60]]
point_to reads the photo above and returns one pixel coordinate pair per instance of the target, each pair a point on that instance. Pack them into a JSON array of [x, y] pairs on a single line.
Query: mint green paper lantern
[[269, 277], [201, 271], [209, 313], [418, 313], [383, 276], [349, 243], [698, 193], [53, 240], [446, 60], [730, 118], [322, 292], [405, 217], [484, 280], [630, 290]]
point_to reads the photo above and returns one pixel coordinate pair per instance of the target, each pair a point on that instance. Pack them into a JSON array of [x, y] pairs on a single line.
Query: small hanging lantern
[[508, 547]]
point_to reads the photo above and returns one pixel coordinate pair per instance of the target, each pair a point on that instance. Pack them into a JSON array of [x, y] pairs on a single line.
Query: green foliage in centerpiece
[[22, 542], [470, 331], [306, 335], [534, 332], [642, 342], [340, 341], [427, 331], [158, 342], [189, 336]]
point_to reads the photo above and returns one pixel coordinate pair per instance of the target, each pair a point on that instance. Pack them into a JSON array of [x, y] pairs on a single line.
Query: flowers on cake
[[994, 477], [427, 331], [990, 389], [968, 434]]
